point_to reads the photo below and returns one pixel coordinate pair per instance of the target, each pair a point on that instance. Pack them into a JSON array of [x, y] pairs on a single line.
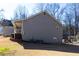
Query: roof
[[45, 12], [6, 22], [17, 23]]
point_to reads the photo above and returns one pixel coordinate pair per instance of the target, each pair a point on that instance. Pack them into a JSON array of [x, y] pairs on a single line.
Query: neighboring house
[[17, 29], [41, 26], [7, 27], [17, 26]]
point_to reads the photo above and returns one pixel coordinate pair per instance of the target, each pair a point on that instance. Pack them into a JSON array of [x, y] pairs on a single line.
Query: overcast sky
[[10, 5]]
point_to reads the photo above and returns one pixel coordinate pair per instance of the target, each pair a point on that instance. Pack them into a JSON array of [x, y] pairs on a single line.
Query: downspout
[[14, 29], [22, 31]]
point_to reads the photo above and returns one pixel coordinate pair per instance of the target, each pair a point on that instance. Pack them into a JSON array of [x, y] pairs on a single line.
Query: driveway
[[32, 49]]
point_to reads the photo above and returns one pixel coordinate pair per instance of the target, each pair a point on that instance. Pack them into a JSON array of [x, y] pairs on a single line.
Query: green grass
[[5, 52], [4, 49]]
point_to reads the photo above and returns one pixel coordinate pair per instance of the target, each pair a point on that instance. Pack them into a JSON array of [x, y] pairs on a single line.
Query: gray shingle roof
[[6, 22]]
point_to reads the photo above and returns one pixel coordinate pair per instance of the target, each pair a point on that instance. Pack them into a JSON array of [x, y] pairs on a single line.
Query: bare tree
[[1, 14], [76, 13], [50, 7], [20, 12], [40, 7], [67, 13]]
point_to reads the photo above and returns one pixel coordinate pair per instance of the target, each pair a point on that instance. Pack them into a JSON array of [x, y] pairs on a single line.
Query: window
[[44, 13], [57, 27]]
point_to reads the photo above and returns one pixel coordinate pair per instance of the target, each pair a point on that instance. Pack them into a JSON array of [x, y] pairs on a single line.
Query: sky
[[9, 7]]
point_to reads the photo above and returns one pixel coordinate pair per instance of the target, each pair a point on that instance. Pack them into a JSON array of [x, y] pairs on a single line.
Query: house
[[17, 25], [7, 27], [41, 27]]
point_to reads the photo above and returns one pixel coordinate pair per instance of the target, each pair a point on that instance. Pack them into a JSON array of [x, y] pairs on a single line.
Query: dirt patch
[[31, 49]]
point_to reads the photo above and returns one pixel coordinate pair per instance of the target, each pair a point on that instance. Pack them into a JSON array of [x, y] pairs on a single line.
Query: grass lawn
[[8, 47]]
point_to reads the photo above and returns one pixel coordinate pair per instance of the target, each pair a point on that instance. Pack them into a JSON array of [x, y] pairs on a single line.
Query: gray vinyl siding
[[7, 30], [42, 27]]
